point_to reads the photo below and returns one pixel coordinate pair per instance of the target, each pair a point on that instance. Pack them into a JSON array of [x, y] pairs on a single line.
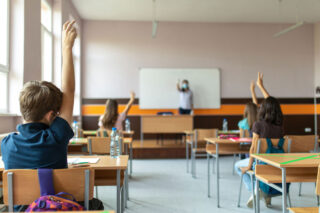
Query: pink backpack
[[49, 201]]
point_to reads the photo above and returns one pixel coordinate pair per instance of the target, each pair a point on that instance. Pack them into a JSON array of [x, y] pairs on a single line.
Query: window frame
[[5, 68], [50, 32]]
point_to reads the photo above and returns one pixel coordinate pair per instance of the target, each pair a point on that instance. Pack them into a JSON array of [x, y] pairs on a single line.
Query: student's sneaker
[[267, 201], [250, 202]]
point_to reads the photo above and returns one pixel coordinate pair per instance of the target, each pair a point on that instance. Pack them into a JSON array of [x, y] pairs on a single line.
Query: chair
[[303, 144], [262, 147], [21, 186], [310, 209], [99, 145], [198, 145]]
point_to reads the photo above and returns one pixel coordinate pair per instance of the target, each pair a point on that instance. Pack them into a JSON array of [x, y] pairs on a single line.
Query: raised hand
[[252, 86], [69, 34], [132, 95], [260, 80]]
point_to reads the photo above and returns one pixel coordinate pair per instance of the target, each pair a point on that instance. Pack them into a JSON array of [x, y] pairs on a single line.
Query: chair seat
[[199, 149], [304, 210]]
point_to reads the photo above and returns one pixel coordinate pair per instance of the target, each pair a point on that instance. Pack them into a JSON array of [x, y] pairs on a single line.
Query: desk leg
[[208, 170], [218, 174], [187, 156], [127, 186], [118, 191], [131, 157], [284, 191], [257, 197], [122, 196]]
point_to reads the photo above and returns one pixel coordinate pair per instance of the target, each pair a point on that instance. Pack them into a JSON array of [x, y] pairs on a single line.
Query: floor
[[164, 186]]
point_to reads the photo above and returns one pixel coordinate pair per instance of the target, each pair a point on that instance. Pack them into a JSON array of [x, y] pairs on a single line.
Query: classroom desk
[[106, 163], [127, 142], [223, 147], [286, 168], [165, 124], [87, 133]]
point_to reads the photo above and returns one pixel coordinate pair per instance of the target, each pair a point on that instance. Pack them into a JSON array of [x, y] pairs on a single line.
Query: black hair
[[270, 111]]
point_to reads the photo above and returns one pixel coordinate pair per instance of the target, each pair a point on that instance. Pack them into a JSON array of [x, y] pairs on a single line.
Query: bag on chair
[[271, 150], [49, 201]]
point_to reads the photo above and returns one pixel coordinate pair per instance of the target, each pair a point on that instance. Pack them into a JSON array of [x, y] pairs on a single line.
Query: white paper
[[82, 160]]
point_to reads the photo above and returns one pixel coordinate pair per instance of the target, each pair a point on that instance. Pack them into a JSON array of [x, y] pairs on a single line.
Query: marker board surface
[[158, 88]]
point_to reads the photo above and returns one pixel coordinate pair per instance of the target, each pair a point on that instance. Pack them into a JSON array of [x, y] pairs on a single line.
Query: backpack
[[271, 149], [49, 201]]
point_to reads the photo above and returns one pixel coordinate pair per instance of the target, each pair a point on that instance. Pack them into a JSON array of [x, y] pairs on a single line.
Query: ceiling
[[243, 11]]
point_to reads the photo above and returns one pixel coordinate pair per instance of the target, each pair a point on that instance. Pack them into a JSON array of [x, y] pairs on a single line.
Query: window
[[4, 54], [46, 41]]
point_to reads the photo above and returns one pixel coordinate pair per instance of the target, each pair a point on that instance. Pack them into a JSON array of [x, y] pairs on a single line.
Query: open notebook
[[82, 160]]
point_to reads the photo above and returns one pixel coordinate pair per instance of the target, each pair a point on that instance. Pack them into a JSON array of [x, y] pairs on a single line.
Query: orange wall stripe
[[227, 109]]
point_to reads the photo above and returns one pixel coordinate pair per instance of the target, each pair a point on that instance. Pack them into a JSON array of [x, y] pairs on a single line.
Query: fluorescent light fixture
[[154, 28], [293, 27]]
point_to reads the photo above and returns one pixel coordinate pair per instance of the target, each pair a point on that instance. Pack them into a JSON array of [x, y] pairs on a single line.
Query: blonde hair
[[251, 113], [111, 114]]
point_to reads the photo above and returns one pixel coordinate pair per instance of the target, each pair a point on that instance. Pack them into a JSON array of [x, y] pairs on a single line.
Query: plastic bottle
[[127, 125], [225, 125], [114, 144], [75, 128]]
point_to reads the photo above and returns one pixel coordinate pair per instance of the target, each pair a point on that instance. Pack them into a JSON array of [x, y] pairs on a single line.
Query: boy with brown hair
[[42, 141]]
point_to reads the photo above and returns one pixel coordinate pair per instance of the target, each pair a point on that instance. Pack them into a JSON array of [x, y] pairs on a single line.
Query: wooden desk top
[[304, 210], [105, 162], [78, 141], [229, 132], [188, 132], [94, 132], [287, 160], [83, 141], [224, 141], [161, 116]]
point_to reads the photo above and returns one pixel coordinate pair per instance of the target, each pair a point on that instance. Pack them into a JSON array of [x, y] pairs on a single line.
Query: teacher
[[186, 99]]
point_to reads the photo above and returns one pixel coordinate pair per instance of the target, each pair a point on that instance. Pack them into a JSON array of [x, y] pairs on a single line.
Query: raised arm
[[253, 93], [178, 86], [68, 82], [261, 86], [132, 96]]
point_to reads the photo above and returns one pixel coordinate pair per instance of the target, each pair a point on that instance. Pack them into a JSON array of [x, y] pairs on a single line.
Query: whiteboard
[[158, 88]]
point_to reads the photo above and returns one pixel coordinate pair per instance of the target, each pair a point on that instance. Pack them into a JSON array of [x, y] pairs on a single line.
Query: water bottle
[[127, 125], [114, 144], [117, 153], [225, 125], [75, 128]]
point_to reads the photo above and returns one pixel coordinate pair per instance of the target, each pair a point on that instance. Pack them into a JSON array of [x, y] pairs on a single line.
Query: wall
[[114, 51], [317, 54]]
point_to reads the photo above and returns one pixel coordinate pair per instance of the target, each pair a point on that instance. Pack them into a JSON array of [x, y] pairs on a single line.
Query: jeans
[[246, 178]]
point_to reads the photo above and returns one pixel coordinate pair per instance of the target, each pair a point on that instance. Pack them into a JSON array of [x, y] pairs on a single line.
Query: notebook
[[82, 160]]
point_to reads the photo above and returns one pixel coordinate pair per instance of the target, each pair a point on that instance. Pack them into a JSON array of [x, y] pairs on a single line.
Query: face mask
[[184, 86]]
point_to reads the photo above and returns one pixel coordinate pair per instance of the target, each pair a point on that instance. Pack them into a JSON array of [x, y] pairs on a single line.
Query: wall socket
[[307, 129]]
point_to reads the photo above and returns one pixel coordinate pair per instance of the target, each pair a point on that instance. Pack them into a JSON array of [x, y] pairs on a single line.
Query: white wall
[[114, 51]]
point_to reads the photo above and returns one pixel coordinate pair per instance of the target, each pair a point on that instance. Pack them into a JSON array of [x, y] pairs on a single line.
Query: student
[[249, 116], [186, 98], [43, 137], [269, 125], [42, 141], [111, 118]]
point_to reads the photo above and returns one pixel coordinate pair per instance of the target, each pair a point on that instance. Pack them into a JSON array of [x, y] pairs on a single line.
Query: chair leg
[[194, 165], [234, 161], [300, 187], [192, 162], [318, 201], [239, 198], [289, 200], [208, 170]]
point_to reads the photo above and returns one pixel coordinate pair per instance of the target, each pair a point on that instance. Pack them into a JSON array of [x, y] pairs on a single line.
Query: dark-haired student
[[268, 125]]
